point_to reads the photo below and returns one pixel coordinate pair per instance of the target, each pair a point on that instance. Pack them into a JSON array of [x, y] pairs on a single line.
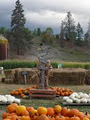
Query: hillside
[[56, 53]]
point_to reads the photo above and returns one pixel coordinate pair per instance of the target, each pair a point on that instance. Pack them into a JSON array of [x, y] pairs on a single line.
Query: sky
[[47, 13]]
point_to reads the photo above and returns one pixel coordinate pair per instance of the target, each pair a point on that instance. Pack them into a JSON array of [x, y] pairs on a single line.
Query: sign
[[59, 65], [24, 73]]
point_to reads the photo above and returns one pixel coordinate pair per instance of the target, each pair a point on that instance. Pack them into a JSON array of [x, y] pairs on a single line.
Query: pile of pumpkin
[[15, 112], [24, 92]]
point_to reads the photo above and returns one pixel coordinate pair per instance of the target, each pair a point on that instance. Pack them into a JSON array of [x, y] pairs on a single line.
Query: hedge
[[32, 64]]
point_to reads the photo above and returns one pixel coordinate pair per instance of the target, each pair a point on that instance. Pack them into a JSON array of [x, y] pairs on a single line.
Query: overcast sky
[[47, 13]]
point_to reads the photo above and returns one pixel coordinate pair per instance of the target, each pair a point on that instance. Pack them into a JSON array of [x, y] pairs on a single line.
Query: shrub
[[9, 64]]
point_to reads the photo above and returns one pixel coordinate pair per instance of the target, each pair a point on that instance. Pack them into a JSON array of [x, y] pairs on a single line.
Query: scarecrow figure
[[43, 73]]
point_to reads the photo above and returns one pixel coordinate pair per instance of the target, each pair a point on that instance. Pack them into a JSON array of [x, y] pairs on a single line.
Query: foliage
[[30, 64], [79, 33], [17, 24], [2, 30], [38, 32], [69, 27], [17, 64], [47, 36]]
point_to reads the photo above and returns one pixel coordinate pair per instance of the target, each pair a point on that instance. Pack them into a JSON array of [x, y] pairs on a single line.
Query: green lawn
[[6, 88]]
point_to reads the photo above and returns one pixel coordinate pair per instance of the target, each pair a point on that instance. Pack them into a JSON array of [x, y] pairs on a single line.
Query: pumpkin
[[42, 110], [25, 113], [73, 112], [33, 112], [51, 118], [57, 108], [14, 117], [80, 115], [11, 108], [43, 117], [25, 118], [65, 111], [20, 109], [85, 118], [29, 109], [50, 111], [75, 118], [15, 105], [5, 115], [60, 118]]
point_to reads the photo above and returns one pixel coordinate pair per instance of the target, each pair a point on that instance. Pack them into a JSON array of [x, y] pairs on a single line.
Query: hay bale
[[87, 79], [9, 76], [62, 76], [31, 74], [68, 76]]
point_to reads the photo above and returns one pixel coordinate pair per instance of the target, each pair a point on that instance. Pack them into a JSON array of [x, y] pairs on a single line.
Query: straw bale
[[68, 76], [63, 76], [9, 76], [87, 79], [19, 78]]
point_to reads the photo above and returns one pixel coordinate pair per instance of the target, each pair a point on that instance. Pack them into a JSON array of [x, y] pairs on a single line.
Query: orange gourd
[[50, 111], [43, 117], [42, 110], [25, 113], [25, 118], [20, 109], [65, 111], [57, 108], [11, 108]]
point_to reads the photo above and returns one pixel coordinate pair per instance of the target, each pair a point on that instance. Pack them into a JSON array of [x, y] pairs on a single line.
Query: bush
[[17, 64], [32, 64]]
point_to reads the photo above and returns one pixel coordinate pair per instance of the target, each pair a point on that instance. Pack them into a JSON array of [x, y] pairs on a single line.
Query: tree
[[69, 28], [62, 34], [49, 31], [87, 36], [38, 31], [17, 26], [2, 30], [47, 36], [79, 33]]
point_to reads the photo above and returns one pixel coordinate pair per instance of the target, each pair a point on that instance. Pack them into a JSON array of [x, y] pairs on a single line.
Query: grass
[[6, 88]]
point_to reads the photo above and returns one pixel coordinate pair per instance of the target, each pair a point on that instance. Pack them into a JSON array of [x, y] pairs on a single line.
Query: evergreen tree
[[38, 31], [79, 33], [2, 30], [17, 26], [62, 34], [69, 29], [87, 36]]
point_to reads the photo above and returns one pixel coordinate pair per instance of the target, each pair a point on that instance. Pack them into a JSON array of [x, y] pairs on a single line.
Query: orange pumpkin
[[42, 110], [25, 113], [14, 117], [51, 118], [25, 118], [20, 109], [81, 115], [11, 108], [5, 115], [65, 111], [15, 105], [73, 112], [33, 112], [57, 108], [75, 118], [50, 111], [43, 117], [29, 109], [85, 118]]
